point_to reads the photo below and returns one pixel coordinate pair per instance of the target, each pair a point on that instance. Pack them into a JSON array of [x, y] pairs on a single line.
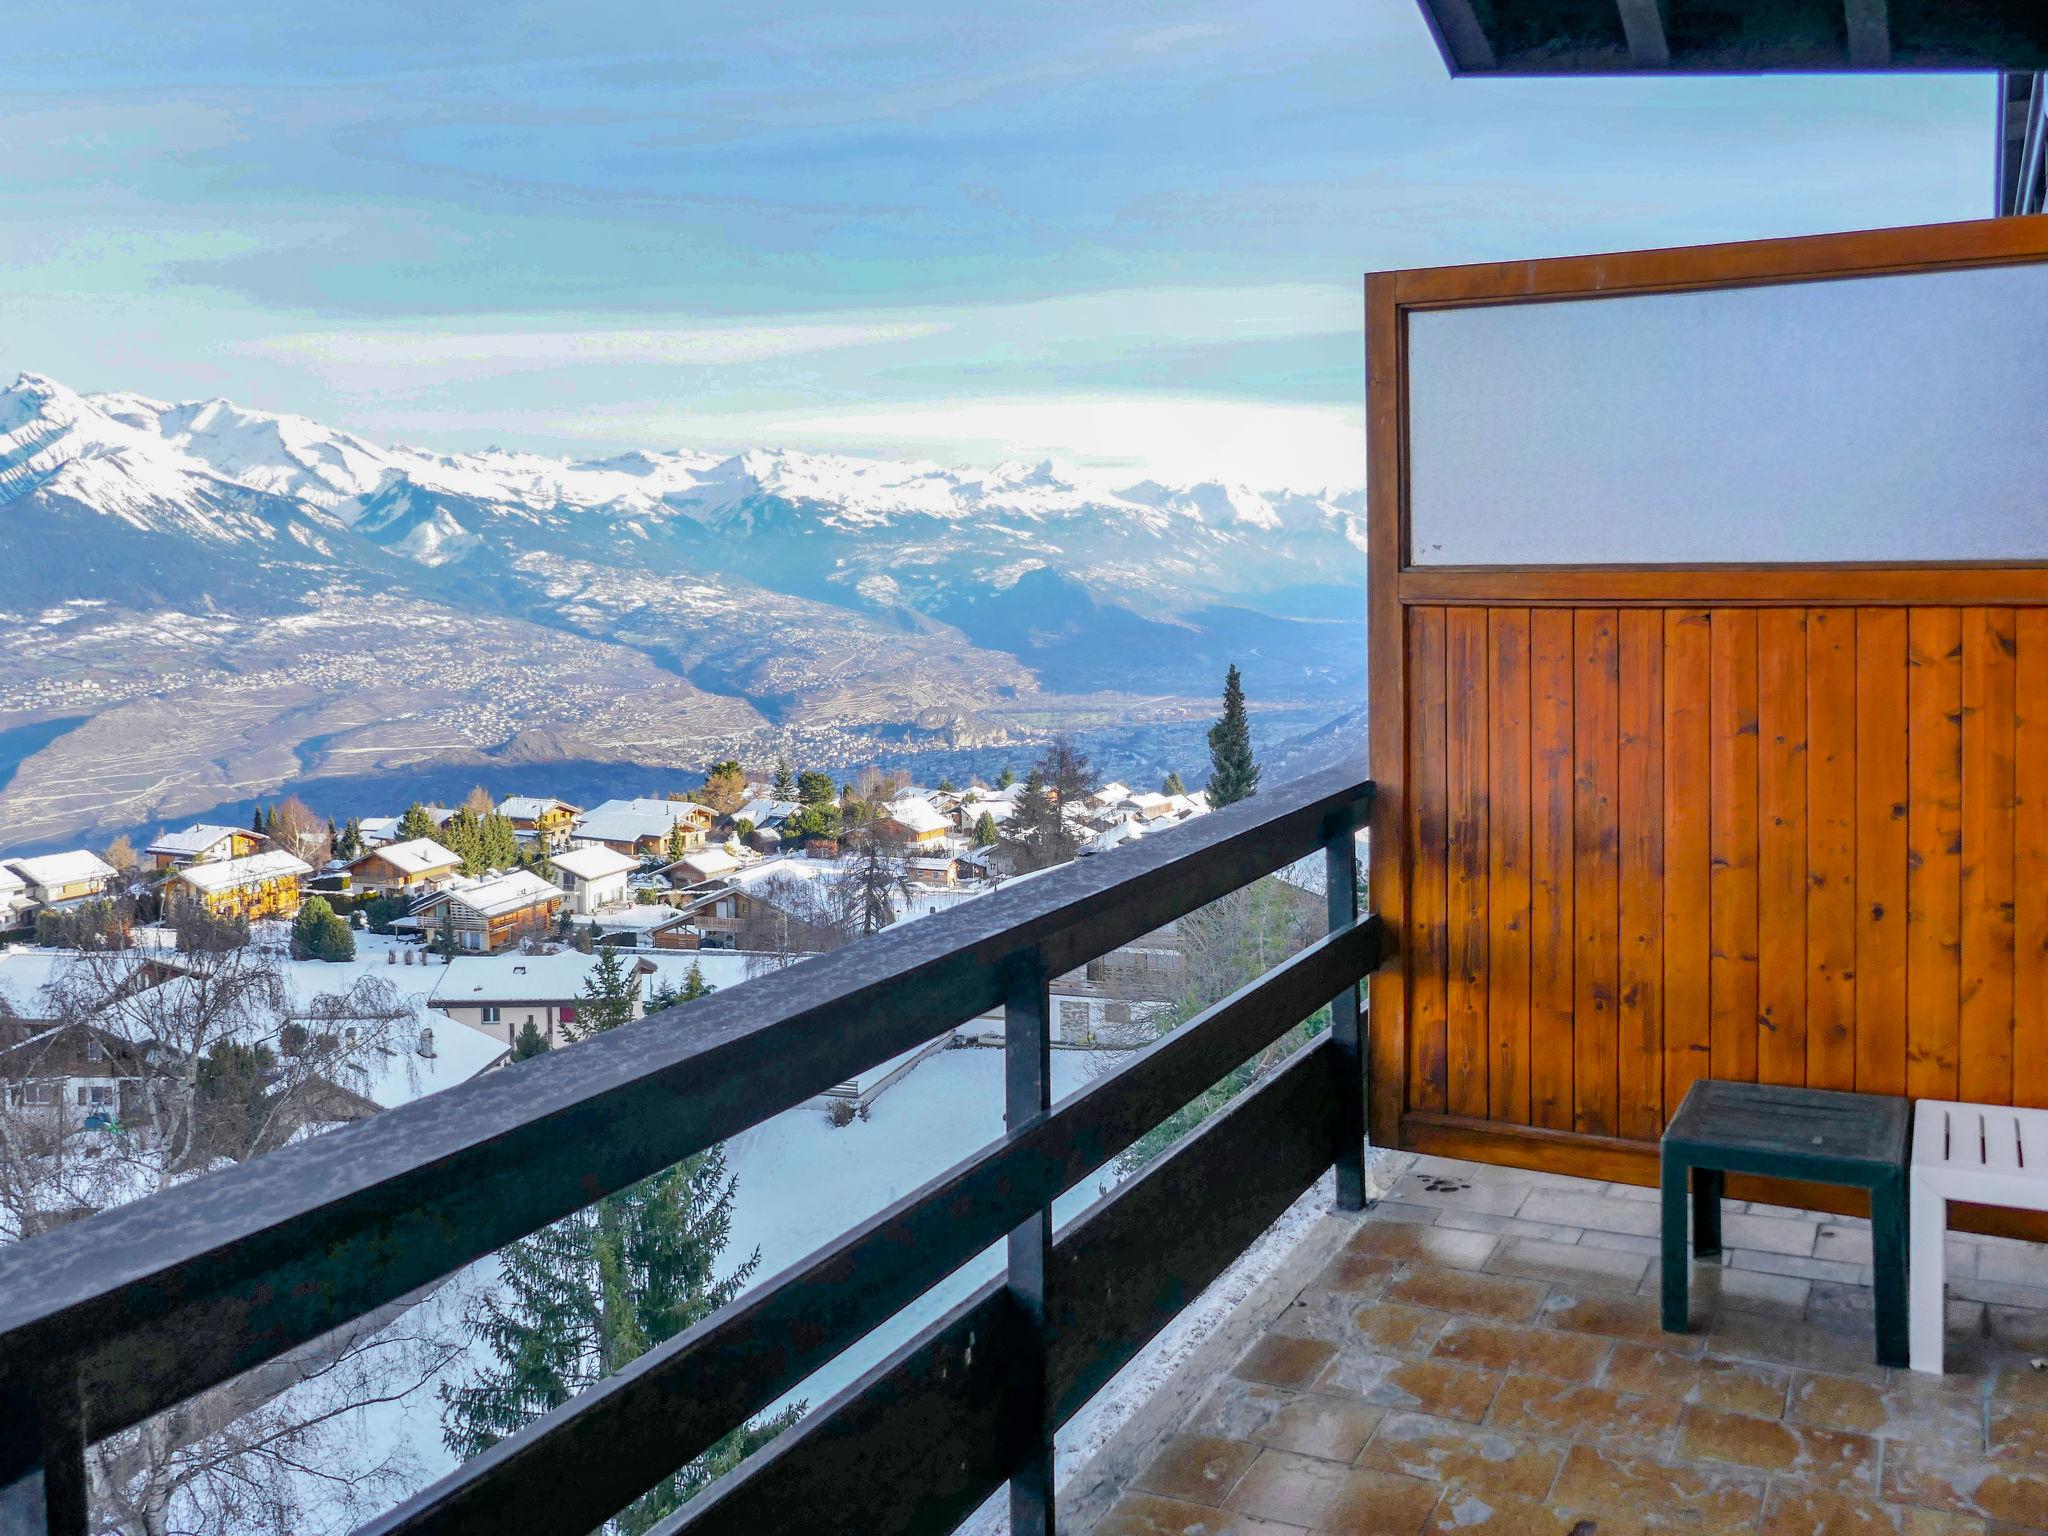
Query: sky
[[1126, 235]]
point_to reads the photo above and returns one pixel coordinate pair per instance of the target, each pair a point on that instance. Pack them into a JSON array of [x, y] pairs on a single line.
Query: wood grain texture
[[1781, 846], [1732, 826], [1508, 832], [1831, 848], [1596, 895], [1552, 783], [1881, 850], [2030, 860], [1984, 1061], [1640, 1007], [1466, 858], [1687, 855], [1934, 849], [1428, 854]]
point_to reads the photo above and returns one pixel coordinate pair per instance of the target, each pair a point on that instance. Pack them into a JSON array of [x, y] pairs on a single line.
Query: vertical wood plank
[[1781, 845], [1641, 973], [1881, 737], [1984, 1068], [1831, 848], [1732, 827], [1687, 855], [1934, 849], [1428, 850], [1465, 673], [1550, 868], [2030, 860], [1596, 894], [1507, 826]]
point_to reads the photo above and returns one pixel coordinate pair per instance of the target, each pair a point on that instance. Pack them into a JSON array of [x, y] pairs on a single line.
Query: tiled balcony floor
[[1483, 1357]]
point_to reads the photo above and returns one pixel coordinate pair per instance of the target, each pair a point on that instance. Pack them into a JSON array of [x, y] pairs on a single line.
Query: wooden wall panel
[[1795, 845]]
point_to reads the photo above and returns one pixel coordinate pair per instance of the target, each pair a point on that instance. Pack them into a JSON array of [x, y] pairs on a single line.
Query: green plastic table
[[1854, 1139]]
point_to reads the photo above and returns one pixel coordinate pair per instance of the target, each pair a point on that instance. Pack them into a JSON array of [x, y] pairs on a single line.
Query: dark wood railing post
[[49, 1497], [1340, 878], [1027, 1096]]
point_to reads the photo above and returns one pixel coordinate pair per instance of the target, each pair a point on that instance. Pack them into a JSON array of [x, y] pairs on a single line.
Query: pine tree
[[947, 787], [531, 1042], [607, 999], [785, 780], [1233, 774], [678, 842], [415, 823], [1173, 785], [985, 833], [1006, 778], [1036, 829], [256, 820], [313, 913], [581, 1299]]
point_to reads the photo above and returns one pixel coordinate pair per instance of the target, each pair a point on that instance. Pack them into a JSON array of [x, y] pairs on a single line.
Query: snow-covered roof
[[490, 895], [468, 980], [10, 881], [917, 815], [706, 863], [531, 807], [594, 863], [997, 811], [628, 821], [405, 1072], [64, 868], [945, 863], [1110, 793], [192, 840], [1146, 801], [378, 829], [764, 812], [226, 874], [417, 856]]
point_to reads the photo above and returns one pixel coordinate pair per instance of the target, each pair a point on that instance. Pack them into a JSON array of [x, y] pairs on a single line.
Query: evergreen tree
[[785, 780], [1006, 778], [448, 948], [678, 842], [350, 844], [985, 833], [585, 1297], [813, 788], [947, 787], [531, 1042], [694, 984], [415, 823], [256, 820], [1233, 774], [1036, 830], [607, 998], [321, 933], [1173, 785]]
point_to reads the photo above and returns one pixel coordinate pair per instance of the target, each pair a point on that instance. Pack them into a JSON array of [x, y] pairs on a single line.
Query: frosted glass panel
[[1872, 418]]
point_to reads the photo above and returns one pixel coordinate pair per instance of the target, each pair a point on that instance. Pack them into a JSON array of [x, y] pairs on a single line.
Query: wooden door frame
[[1393, 585]]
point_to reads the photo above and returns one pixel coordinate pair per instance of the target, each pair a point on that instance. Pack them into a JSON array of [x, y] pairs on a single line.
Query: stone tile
[[1771, 1234], [1904, 1408], [1844, 1244], [1611, 1482], [1399, 1213], [1196, 1469], [2019, 1381], [1745, 1290], [1302, 1491], [2022, 1327], [1733, 1386], [1319, 1314], [1321, 1424], [1822, 1458], [1465, 1293], [1795, 1511], [1492, 1197], [1447, 1453], [1454, 1167], [2010, 1491], [1637, 1318], [2016, 1264], [1282, 1361], [1236, 1409], [1623, 1242], [1560, 1410], [1803, 1268], [1591, 1211], [1388, 1328], [1468, 1512], [1436, 1387], [1534, 1351], [2019, 1432], [1364, 1277], [1645, 1192], [1146, 1514], [1752, 1336], [1507, 1226], [1425, 1245], [1570, 1263]]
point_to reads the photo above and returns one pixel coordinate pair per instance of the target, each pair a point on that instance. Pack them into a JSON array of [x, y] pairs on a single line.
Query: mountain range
[[218, 601]]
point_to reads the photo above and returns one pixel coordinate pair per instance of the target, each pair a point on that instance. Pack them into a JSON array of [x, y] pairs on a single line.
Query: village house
[[203, 844], [541, 817], [765, 815], [491, 913], [940, 873], [54, 879], [15, 905], [593, 877], [376, 831], [416, 865], [645, 827], [696, 868], [501, 998], [76, 1070], [916, 822], [967, 815], [255, 886]]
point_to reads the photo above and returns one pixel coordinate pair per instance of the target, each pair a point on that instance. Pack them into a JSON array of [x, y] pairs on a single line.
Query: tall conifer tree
[[1233, 774]]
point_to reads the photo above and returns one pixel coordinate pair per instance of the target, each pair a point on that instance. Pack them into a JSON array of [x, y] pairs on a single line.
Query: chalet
[[969, 813], [593, 877], [491, 913], [203, 844], [645, 827], [14, 899], [940, 873], [916, 821], [765, 815], [416, 865], [71, 1070], [54, 879], [501, 997], [253, 886], [703, 865], [376, 831], [542, 817]]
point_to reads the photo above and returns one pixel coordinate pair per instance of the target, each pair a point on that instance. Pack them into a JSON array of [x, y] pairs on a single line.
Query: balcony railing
[[119, 1317]]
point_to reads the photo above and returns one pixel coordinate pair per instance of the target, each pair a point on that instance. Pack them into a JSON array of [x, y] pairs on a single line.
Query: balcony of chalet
[[1709, 738]]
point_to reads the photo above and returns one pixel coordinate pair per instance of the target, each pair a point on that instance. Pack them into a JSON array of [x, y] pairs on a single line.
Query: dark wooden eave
[[1577, 37]]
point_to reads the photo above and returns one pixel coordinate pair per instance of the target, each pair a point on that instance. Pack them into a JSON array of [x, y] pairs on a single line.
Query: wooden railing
[[113, 1319]]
